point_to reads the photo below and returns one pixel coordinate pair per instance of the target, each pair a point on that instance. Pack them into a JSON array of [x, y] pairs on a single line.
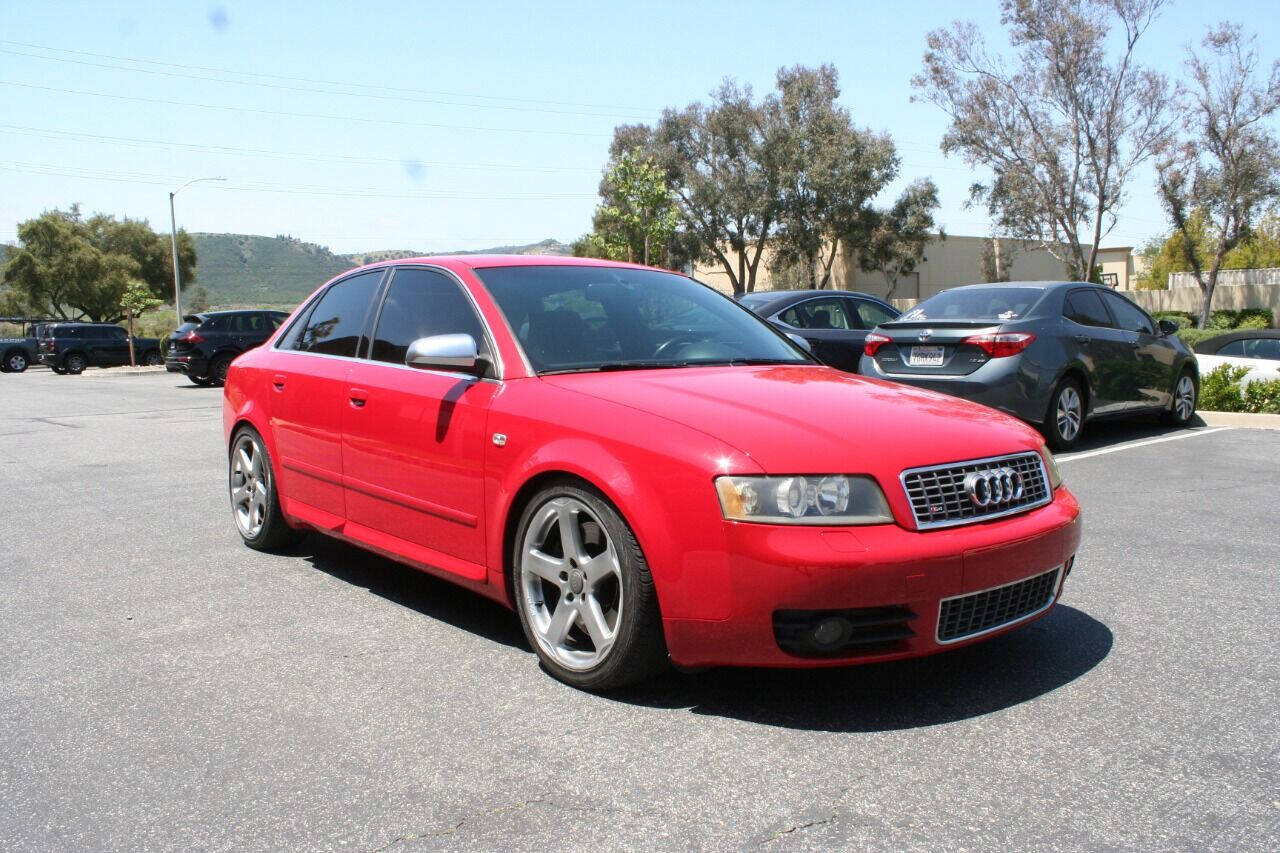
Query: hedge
[[1221, 390]]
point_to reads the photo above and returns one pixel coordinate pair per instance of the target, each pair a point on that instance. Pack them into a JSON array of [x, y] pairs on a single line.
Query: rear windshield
[[186, 327], [987, 303]]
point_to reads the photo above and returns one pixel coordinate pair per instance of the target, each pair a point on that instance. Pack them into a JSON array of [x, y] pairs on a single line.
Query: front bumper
[[881, 571]]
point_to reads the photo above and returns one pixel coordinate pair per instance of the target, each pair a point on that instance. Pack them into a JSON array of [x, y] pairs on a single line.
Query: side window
[[116, 333], [1233, 348], [1085, 308], [276, 319], [1128, 315], [871, 314], [1262, 348], [421, 303], [215, 324], [827, 313], [336, 323]]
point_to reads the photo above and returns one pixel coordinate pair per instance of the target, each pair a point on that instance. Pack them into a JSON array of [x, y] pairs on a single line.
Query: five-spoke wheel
[[584, 592]]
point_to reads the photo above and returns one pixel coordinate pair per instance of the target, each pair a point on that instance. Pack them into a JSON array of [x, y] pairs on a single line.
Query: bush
[[1255, 318], [1223, 319], [1193, 336], [1184, 319], [1221, 390]]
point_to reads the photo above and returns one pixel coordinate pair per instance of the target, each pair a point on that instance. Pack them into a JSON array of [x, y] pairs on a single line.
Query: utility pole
[[173, 241]]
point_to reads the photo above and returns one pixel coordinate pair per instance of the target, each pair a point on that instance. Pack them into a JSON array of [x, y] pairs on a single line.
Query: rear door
[[308, 382], [111, 345], [1155, 360], [414, 440], [832, 328], [1105, 351]]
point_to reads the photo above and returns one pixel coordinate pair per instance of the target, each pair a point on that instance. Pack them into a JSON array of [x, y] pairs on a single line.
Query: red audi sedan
[[647, 472]]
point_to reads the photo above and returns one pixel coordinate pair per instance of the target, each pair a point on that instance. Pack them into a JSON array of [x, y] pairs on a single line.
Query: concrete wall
[[1233, 296], [948, 263]]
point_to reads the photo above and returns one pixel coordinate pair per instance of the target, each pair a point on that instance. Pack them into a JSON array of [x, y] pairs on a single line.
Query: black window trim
[[1115, 324], [1155, 327], [381, 298], [304, 315]]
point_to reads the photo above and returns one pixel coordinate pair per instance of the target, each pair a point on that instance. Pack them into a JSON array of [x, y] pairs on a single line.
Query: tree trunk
[[133, 361]]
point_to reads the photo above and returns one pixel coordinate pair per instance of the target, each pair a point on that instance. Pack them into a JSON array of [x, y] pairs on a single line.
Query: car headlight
[[822, 499], [1051, 465]]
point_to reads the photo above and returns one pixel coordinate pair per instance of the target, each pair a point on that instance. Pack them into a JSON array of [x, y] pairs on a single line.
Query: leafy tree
[[1168, 254], [72, 268], [1226, 166], [718, 162], [996, 258], [1062, 127], [897, 237], [637, 218], [136, 299], [829, 173], [199, 300]]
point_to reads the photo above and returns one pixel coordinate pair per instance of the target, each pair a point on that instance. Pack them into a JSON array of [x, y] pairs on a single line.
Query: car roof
[[475, 262], [798, 295], [1038, 285], [1211, 345]]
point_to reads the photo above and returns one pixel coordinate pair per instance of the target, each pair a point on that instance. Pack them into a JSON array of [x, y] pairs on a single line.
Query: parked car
[[17, 354], [643, 469], [834, 322], [1055, 354], [1256, 349], [71, 347], [206, 343]]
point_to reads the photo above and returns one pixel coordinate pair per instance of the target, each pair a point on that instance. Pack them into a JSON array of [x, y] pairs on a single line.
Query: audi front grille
[[966, 616], [940, 496]]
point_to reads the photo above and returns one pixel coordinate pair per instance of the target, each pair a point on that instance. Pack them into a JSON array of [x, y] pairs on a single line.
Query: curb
[[1246, 420], [103, 372]]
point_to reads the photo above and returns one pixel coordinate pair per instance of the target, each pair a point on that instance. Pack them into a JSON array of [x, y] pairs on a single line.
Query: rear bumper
[[189, 363], [1013, 385], [777, 573]]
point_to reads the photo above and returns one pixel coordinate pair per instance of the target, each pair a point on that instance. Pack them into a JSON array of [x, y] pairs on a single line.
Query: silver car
[[1055, 354]]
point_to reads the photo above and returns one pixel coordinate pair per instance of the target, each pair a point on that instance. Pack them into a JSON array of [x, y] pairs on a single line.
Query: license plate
[[926, 356]]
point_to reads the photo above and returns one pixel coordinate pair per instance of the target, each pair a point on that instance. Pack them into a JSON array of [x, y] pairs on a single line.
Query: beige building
[[948, 262]]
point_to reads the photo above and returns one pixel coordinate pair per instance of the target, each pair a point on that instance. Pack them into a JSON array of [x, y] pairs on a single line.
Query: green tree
[[829, 173], [1226, 167], [896, 240], [136, 299], [1062, 126], [637, 218], [68, 267]]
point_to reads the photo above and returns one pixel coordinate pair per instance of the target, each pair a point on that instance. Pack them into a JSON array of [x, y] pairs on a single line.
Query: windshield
[[979, 303], [572, 319]]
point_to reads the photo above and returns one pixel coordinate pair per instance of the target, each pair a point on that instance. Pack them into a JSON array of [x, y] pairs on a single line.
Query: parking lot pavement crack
[[799, 827]]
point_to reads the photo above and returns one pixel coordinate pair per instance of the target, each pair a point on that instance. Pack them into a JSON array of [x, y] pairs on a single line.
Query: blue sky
[[438, 126]]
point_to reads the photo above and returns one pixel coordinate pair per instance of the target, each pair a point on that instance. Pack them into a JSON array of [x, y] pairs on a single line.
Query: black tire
[[75, 363], [15, 361], [218, 370], [202, 381], [638, 648], [61, 371], [151, 358], [272, 532], [1186, 394], [1064, 419]]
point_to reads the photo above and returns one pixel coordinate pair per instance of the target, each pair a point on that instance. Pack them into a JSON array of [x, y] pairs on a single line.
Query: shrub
[[1184, 319], [1255, 318], [1220, 389], [1223, 319], [1193, 336]]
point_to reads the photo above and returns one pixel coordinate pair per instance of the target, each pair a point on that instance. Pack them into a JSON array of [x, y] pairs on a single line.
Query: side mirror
[[1168, 327], [801, 342], [455, 353]]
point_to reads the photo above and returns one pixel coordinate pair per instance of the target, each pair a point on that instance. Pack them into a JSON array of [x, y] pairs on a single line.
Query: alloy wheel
[[572, 584], [1184, 398], [1068, 413], [17, 363], [248, 486]]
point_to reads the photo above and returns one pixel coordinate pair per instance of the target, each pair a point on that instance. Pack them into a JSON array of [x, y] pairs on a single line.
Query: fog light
[[830, 632]]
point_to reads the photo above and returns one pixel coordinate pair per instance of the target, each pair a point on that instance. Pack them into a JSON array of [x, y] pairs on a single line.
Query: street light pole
[[173, 241]]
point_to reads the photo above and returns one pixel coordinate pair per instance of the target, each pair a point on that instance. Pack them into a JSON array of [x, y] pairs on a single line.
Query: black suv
[[205, 344], [71, 347]]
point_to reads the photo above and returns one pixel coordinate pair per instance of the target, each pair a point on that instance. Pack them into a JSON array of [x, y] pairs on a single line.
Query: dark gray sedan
[[833, 322], [1054, 354]]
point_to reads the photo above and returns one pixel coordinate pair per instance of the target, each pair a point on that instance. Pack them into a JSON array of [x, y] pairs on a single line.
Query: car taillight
[[1001, 344], [873, 342], [191, 338]]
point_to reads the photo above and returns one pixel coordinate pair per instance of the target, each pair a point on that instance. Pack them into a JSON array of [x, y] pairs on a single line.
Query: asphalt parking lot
[[164, 687]]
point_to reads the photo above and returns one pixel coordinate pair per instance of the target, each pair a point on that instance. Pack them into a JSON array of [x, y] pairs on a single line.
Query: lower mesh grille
[[967, 615]]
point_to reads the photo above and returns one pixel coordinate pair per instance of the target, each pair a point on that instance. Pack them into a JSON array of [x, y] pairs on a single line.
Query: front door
[[1154, 357], [1105, 351], [414, 440]]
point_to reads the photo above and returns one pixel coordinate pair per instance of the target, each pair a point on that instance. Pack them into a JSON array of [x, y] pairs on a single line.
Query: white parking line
[[1189, 434]]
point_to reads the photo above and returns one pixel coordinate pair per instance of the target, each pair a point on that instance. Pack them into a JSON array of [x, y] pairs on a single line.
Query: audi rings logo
[[994, 487]]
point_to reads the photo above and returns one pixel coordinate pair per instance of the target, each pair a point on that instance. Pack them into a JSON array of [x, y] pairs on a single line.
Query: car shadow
[[981, 679], [1105, 433], [416, 590]]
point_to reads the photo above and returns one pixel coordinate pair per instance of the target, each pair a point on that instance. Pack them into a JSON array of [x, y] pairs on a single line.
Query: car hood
[[810, 419]]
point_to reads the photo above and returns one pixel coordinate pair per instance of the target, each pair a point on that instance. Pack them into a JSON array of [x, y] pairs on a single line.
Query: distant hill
[[281, 271]]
